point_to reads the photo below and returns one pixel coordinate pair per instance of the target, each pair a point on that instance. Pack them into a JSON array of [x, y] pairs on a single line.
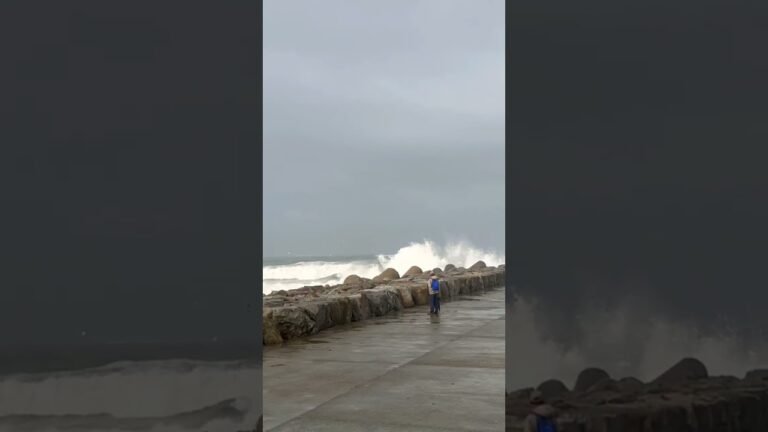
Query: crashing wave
[[230, 413], [425, 254]]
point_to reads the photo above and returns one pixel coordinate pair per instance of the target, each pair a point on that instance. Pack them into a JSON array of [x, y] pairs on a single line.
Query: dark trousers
[[434, 303]]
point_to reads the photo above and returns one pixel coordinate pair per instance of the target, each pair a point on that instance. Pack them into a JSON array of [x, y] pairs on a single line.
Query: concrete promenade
[[404, 372]]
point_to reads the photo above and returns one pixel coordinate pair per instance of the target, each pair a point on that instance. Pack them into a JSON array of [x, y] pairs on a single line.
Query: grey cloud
[[383, 124]]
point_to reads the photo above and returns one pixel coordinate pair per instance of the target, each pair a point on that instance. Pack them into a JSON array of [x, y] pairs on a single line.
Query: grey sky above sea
[[383, 125]]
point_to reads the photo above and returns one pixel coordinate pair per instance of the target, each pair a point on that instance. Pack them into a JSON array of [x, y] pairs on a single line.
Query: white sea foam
[[428, 255], [425, 254]]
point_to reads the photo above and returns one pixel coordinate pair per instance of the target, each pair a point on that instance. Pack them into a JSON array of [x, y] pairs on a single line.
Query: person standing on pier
[[543, 417], [434, 294]]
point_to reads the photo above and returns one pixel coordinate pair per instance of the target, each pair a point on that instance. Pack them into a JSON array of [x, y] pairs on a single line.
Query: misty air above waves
[[288, 273]]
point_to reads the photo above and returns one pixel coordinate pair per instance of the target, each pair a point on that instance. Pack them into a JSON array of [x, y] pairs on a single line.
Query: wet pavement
[[405, 372]]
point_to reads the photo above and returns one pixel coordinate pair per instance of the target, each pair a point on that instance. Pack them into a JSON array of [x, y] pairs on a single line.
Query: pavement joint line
[[387, 371], [458, 367], [400, 425], [338, 361]]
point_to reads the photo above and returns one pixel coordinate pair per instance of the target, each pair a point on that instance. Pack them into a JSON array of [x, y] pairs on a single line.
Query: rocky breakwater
[[306, 311], [683, 399]]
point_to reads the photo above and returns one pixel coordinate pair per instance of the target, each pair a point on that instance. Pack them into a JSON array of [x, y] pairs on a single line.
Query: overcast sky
[[383, 124]]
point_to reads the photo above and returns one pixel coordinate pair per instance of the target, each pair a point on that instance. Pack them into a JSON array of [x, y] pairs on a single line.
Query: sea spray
[[429, 255]]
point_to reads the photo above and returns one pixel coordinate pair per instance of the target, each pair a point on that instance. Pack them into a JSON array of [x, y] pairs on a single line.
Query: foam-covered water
[[167, 395], [289, 273]]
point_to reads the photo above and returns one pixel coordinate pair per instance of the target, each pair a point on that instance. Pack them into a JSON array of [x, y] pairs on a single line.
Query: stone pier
[[309, 310], [404, 372], [683, 399]]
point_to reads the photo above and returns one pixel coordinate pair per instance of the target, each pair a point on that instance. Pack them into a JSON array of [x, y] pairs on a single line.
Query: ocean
[[171, 395], [133, 334], [284, 273]]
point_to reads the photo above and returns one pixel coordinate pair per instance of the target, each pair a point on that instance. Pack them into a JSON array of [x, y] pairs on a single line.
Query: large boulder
[[293, 322], [422, 277], [757, 375], [630, 384], [420, 294], [552, 389], [611, 391], [405, 296], [687, 369], [589, 377], [320, 312], [521, 394], [387, 275], [359, 309], [270, 330], [604, 385], [273, 301], [478, 266], [340, 310], [353, 280], [413, 271], [518, 403], [383, 300]]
